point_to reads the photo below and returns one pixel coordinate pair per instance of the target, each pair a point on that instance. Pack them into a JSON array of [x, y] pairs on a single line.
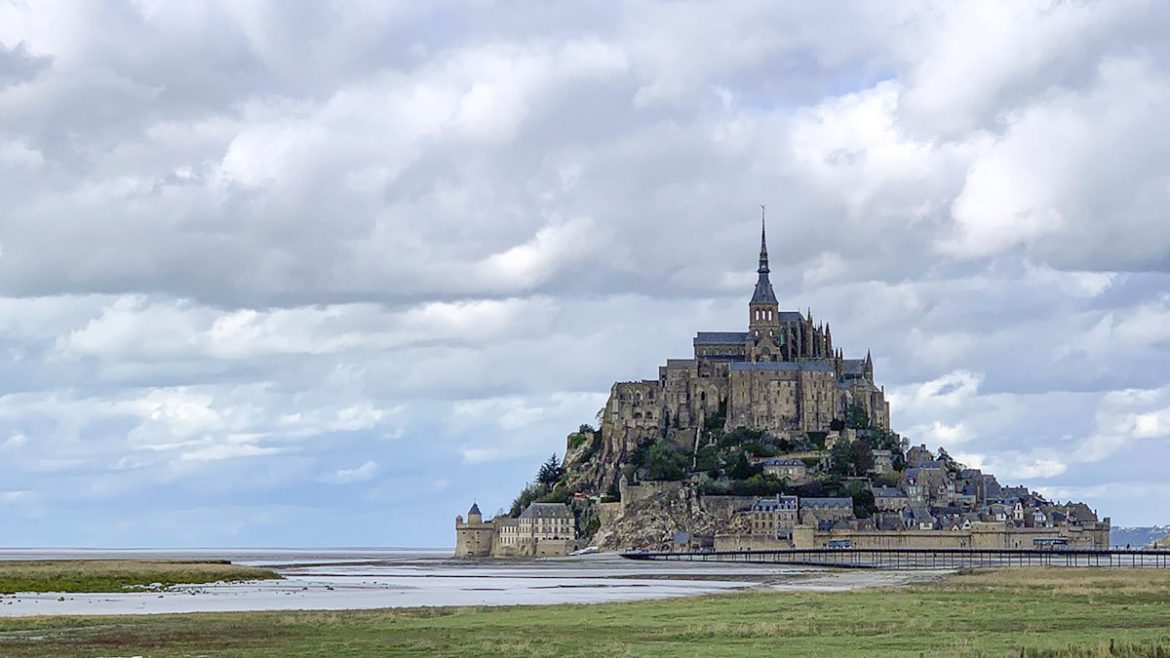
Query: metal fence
[[924, 558]]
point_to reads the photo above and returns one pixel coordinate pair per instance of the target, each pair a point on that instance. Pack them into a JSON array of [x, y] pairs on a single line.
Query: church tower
[[764, 310]]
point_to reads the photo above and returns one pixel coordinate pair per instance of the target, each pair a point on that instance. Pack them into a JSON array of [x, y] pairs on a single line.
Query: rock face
[[652, 522]]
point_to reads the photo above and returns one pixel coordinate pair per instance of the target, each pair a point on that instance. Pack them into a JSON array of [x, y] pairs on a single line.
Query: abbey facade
[[783, 375]]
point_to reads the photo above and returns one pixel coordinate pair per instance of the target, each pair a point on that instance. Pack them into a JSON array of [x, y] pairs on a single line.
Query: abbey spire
[[764, 310], [763, 293], [763, 243]]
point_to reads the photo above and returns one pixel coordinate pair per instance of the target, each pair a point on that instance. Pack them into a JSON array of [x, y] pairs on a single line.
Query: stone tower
[[475, 537], [764, 310]]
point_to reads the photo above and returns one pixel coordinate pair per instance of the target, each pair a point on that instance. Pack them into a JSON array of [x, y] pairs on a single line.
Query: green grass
[[117, 575], [1052, 613]]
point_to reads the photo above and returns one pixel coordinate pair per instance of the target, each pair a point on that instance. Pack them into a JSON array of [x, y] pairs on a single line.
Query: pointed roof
[[763, 244], [763, 293], [474, 509]]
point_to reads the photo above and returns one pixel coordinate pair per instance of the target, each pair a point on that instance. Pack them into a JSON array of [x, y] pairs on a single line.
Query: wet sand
[[351, 580]]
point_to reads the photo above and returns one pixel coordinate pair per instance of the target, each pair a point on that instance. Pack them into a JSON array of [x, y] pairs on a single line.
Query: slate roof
[[780, 461], [853, 366], [547, 511], [772, 504], [826, 502], [791, 316], [763, 293], [474, 509], [888, 492], [787, 366], [722, 337]]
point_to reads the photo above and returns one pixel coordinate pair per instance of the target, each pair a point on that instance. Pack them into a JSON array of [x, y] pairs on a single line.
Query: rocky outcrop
[[652, 523]]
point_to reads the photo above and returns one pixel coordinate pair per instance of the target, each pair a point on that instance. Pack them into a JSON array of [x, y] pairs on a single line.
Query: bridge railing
[[923, 558]]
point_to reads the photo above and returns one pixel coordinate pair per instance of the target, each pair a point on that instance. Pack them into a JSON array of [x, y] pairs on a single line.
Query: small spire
[[763, 241], [763, 294]]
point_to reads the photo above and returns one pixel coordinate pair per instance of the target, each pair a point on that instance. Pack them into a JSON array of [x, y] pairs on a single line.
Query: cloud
[[349, 475], [248, 249]]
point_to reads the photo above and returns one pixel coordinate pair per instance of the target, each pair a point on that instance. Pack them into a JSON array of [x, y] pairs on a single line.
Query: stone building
[[793, 470], [474, 537], [542, 530], [814, 510], [546, 521], [890, 499], [775, 517], [783, 374]]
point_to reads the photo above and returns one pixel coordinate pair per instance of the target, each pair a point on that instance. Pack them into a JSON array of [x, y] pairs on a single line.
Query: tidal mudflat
[[353, 581]]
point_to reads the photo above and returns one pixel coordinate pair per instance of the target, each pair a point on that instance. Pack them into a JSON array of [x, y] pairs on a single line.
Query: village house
[[775, 517], [793, 470]]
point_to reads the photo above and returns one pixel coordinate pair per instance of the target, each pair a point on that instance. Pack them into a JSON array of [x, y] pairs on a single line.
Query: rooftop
[[826, 502], [547, 511], [722, 337], [787, 366]]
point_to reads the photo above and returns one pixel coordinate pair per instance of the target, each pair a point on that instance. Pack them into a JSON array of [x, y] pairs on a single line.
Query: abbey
[[783, 375]]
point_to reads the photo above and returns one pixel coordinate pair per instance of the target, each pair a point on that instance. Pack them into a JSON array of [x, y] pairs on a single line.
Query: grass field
[[116, 575], [1056, 613]]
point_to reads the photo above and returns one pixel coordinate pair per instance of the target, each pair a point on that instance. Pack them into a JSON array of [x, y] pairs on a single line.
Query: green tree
[[551, 472], [851, 458], [742, 468], [664, 462], [949, 462], [856, 418], [527, 496], [863, 503], [707, 459]]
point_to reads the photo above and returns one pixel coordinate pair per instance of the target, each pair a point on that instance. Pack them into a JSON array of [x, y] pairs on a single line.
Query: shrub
[[757, 485], [577, 439], [707, 459], [558, 495], [742, 469], [592, 527], [664, 462], [760, 449], [527, 496]]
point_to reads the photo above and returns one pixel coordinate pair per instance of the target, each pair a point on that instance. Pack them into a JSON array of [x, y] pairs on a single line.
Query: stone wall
[[473, 539], [981, 536], [750, 543], [607, 513], [632, 493], [553, 547], [725, 507]]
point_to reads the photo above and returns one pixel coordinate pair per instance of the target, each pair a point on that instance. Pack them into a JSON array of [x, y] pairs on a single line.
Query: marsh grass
[[77, 576], [1056, 613]]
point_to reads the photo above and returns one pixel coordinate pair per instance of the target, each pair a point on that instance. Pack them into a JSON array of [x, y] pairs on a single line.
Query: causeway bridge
[[922, 558]]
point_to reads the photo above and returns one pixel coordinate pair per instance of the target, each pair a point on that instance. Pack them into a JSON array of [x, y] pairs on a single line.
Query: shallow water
[[364, 579]]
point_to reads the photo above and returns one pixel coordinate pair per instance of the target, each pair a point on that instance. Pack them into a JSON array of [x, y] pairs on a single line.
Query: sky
[[322, 274]]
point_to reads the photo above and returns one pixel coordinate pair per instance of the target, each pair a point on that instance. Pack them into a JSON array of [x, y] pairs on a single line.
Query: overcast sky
[[321, 274]]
